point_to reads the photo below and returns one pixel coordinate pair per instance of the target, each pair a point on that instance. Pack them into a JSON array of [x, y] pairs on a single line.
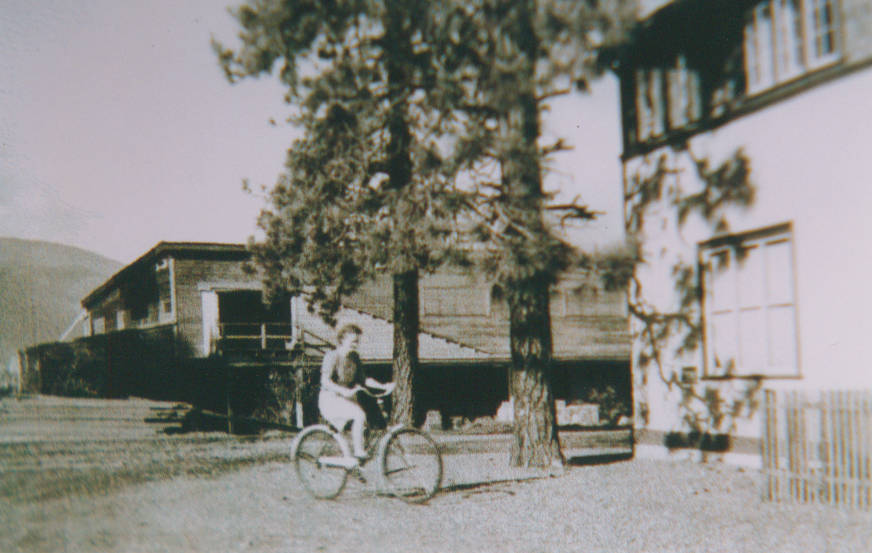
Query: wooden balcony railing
[[254, 336]]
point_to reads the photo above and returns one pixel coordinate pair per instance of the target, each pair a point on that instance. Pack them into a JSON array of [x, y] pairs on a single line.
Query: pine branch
[[553, 94], [559, 146], [574, 211]]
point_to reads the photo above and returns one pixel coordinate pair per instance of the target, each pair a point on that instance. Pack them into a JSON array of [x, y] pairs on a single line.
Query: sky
[[119, 130]]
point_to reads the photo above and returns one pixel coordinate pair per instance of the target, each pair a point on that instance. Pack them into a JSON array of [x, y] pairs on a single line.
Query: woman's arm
[[373, 383], [341, 390]]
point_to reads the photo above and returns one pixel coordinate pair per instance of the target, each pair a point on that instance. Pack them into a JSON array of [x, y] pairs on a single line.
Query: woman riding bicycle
[[341, 379]]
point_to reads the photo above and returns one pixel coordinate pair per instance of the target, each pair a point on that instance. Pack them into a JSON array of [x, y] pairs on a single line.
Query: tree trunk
[[535, 443], [530, 273], [398, 45], [405, 366]]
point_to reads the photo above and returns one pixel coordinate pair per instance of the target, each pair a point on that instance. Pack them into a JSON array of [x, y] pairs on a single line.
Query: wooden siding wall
[[189, 274], [587, 321]]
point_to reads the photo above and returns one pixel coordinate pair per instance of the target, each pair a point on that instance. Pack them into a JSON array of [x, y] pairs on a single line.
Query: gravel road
[[74, 485], [248, 502]]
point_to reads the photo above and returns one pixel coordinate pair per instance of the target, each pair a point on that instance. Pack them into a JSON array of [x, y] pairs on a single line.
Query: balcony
[[254, 338]]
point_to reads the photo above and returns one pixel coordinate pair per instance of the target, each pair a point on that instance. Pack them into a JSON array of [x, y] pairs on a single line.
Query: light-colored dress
[[346, 370]]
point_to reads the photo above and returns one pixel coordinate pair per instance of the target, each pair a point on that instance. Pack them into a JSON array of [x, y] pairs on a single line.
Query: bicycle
[[409, 459]]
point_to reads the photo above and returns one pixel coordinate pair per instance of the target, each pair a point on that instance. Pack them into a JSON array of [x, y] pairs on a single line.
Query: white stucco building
[[777, 297]]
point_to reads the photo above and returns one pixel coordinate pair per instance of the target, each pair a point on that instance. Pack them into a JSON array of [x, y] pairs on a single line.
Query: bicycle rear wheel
[[322, 481], [411, 465]]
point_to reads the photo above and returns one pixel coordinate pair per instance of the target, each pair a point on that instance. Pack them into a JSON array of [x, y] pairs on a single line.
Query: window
[[786, 38], [649, 103], [245, 322], [749, 313], [666, 98], [164, 293], [683, 93]]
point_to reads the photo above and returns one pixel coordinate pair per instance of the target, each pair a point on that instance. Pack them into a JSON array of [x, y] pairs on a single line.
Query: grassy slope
[[41, 285]]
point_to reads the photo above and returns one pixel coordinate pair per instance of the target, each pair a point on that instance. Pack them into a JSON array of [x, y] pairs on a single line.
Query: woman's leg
[[358, 422], [337, 409]]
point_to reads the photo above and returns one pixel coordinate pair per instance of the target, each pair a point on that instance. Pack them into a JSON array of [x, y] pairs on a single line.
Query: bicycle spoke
[[321, 480], [411, 465], [304, 456]]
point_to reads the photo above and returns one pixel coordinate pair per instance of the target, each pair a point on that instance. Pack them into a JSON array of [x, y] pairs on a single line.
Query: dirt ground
[[234, 497], [214, 493]]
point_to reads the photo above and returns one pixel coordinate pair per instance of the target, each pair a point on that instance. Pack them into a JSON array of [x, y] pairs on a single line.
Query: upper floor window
[[749, 310], [786, 38], [98, 325], [649, 103], [684, 95], [667, 98]]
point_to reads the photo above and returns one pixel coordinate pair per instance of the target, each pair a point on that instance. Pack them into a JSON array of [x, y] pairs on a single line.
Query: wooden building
[[205, 298]]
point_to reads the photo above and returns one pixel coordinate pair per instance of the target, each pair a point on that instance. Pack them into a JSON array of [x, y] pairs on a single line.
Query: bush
[[611, 406]]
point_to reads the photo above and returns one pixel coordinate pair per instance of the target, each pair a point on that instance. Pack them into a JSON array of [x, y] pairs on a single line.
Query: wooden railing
[[254, 336], [817, 447]]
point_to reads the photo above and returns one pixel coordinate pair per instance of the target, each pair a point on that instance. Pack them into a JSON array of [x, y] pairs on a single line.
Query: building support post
[[229, 381]]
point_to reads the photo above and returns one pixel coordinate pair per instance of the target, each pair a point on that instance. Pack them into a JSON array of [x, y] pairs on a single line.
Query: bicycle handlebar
[[376, 394]]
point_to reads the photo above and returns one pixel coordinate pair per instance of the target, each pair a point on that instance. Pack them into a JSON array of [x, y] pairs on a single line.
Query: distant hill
[[41, 285]]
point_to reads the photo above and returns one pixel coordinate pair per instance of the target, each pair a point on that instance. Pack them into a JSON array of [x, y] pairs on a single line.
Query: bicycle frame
[[406, 473], [350, 462]]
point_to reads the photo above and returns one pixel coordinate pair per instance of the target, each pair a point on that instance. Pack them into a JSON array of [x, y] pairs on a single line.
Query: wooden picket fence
[[817, 447]]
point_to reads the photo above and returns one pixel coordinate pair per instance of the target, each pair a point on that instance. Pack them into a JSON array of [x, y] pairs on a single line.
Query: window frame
[[781, 45], [731, 245], [668, 98]]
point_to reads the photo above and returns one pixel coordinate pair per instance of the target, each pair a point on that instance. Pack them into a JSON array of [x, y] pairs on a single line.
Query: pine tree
[[521, 54], [365, 190], [387, 86]]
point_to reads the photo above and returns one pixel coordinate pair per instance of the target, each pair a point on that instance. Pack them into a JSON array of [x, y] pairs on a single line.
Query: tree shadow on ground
[[608, 459], [482, 490]]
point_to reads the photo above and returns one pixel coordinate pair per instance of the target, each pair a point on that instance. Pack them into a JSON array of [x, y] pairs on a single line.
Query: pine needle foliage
[[518, 55], [367, 189], [398, 98]]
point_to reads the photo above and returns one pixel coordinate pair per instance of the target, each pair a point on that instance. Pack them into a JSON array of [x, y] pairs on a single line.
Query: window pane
[[828, 28], [643, 110], [752, 341], [822, 28], [677, 100], [763, 37], [782, 337], [779, 273], [655, 91], [722, 284], [752, 66], [751, 279], [694, 102], [789, 38], [683, 100], [722, 333]]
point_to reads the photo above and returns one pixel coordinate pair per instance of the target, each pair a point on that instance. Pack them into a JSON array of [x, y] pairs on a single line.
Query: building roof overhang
[[189, 250], [665, 26]]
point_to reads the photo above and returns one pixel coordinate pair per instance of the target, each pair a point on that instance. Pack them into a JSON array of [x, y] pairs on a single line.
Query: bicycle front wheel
[[411, 465], [322, 481]]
